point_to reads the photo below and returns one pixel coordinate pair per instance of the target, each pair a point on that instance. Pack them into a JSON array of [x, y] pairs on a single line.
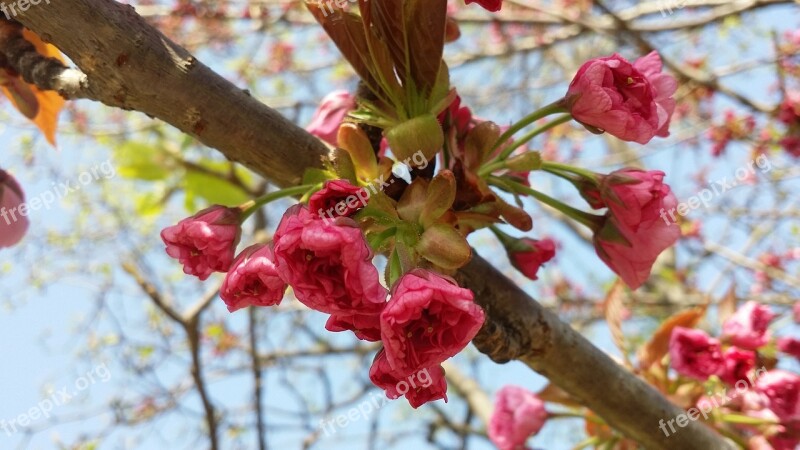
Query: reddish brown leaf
[[347, 32], [388, 20], [425, 25]]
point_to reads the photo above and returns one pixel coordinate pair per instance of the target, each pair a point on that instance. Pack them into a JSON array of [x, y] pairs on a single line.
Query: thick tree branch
[[131, 65], [518, 327], [46, 73]]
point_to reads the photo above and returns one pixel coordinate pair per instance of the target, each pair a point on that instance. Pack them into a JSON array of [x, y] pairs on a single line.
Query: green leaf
[[394, 269], [313, 175], [141, 161], [212, 190]]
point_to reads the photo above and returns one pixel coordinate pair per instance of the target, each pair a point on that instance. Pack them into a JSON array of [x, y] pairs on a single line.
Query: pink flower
[[630, 101], [366, 327], [328, 264], [747, 328], [635, 230], [424, 386], [737, 365], [428, 319], [205, 242], [796, 312], [489, 5], [330, 114], [790, 346], [530, 254], [695, 354], [782, 390], [253, 280], [338, 198], [13, 223], [518, 414]]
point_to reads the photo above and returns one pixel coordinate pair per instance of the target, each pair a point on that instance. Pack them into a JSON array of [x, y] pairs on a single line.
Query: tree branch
[[131, 65]]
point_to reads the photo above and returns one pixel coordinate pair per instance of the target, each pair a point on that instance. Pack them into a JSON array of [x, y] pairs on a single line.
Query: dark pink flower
[[327, 263], [489, 5], [205, 242], [630, 101], [635, 230], [330, 114], [423, 386], [791, 144], [747, 328], [338, 198], [695, 354], [737, 365], [528, 255], [458, 117], [518, 414], [13, 221], [428, 319], [790, 346], [782, 390], [366, 327], [253, 280], [789, 111]]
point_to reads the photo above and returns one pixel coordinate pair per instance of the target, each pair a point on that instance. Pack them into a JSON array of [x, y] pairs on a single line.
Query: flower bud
[[479, 143], [353, 139], [440, 197], [525, 162], [413, 201], [444, 246], [422, 133]]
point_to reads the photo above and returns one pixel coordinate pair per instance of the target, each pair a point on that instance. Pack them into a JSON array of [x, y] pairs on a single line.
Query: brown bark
[[131, 65]]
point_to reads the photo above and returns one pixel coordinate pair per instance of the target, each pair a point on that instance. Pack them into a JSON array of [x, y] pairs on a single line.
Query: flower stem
[[532, 134], [504, 238], [552, 108], [252, 206], [552, 166], [592, 221]]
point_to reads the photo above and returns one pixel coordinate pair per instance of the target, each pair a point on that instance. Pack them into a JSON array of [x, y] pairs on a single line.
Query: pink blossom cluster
[[427, 319], [733, 128], [733, 357]]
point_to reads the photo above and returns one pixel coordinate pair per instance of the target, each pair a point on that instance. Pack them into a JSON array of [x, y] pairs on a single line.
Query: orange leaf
[[554, 394], [50, 102], [658, 345], [20, 94], [727, 306]]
